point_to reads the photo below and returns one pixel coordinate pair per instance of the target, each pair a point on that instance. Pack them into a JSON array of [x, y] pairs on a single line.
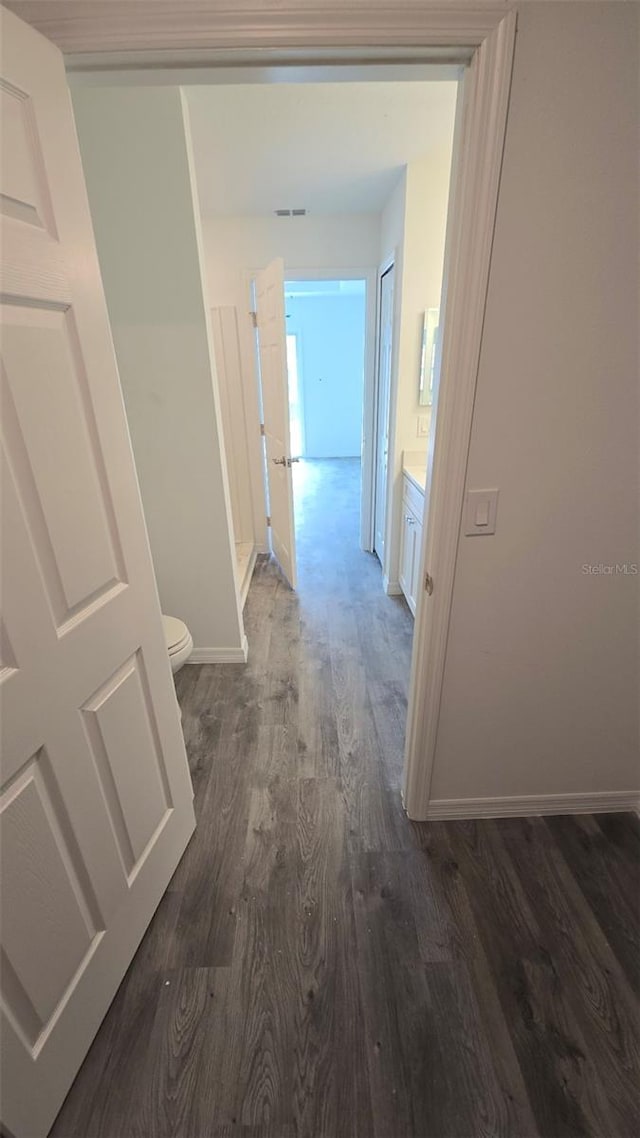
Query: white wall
[[413, 226], [226, 344], [330, 332], [541, 691], [235, 245], [136, 164], [425, 221]]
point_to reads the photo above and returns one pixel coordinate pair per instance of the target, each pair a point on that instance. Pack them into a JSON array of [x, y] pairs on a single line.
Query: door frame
[[368, 275], [191, 45], [389, 262], [296, 335]]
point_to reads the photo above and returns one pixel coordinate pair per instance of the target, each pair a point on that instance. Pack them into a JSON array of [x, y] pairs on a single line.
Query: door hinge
[[268, 519], [254, 319], [262, 429], [428, 583]]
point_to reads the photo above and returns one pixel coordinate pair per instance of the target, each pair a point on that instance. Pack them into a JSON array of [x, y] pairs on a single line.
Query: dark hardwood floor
[[320, 967]]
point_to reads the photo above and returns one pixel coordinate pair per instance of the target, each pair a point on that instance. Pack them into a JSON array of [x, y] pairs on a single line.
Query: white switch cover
[[423, 426], [481, 508]]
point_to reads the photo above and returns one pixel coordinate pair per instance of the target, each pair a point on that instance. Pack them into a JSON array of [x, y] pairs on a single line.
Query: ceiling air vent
[[290, 212]]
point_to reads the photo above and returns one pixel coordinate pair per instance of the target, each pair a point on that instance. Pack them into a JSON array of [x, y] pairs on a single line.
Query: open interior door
[[383, 395], [95, 794], [272, 353]]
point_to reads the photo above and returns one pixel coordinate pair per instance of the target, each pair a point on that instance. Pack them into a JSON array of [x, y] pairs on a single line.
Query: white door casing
[[383, 393], [480, 41], [96, 798], [272, 356]]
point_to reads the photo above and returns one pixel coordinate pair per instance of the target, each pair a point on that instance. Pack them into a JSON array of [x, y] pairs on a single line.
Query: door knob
[[290, 460], [280, 461]]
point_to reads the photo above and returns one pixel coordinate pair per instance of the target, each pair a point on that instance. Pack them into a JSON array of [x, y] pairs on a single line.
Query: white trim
[[391, 588], [220, 655], [253, 413], [389, 262], [368, 275], [393, 261], [190, 69], [470, 226], [195, 31], [295, 331], [245, 584], [529, 805]]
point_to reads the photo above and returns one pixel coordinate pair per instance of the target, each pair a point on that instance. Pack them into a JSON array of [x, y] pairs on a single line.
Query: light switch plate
[[480, 513], [423, 426]]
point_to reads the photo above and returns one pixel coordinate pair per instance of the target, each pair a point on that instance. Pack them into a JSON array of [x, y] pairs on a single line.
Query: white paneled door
[[96, 798], [272, 352]]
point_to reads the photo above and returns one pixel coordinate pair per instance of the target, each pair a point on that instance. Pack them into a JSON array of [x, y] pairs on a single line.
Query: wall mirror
[[428, 356]]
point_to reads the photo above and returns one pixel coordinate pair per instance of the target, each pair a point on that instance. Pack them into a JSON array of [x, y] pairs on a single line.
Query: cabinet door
[[416, 532], [407, 555]]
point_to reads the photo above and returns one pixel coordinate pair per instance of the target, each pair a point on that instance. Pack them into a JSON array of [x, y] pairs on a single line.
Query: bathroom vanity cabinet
[[413, 481]]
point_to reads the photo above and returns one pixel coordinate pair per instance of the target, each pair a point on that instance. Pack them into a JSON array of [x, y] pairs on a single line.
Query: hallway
[[320, 967], [361, 637]]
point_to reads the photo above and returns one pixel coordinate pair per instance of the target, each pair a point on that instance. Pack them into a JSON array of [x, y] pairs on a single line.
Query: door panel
[[42, 895], [272, 351], [383, 393], [415, 565], [410, 549], [406, 553], [95, 795], [120, 731], [55, 453]]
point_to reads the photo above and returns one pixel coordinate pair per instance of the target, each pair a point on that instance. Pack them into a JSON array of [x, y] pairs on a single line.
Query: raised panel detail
[[42, 901], [23, 190], [53, 448], [120, 724], [32, 266]]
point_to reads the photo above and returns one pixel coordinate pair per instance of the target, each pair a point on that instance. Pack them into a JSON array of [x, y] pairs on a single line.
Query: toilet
[[179, 641]]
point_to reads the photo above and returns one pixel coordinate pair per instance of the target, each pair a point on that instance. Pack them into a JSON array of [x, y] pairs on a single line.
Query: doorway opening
[[232, 228], [365, 190], [331, 400], [326, 330]]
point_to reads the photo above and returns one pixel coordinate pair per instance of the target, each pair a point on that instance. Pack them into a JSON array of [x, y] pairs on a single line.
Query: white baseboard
[[220, 655], [532, 804], [391, 588], [246, 582]]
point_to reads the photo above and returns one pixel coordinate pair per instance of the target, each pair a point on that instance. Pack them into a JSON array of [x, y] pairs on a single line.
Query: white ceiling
[[324, 147]]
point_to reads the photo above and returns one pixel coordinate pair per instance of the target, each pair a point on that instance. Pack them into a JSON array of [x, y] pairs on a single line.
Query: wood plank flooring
[[320, 967]]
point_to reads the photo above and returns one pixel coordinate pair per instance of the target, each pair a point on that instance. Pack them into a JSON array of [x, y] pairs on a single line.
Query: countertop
[[417, 475]]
